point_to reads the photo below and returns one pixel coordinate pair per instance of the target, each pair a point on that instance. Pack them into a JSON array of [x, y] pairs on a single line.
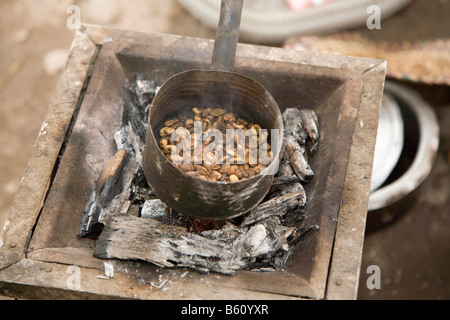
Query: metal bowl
[[389, 143], [427, 147], [192, 196]]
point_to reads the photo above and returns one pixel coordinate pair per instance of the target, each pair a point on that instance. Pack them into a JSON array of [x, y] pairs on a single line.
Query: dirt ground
[[413, 251]]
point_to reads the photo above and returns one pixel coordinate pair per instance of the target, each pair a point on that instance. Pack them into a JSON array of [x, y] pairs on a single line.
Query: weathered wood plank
[[35, 183]]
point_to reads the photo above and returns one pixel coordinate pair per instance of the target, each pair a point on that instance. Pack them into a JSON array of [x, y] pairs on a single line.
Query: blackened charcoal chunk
[[154, 209], [311, 125], [301, 167], [293, 124], [144, 90]]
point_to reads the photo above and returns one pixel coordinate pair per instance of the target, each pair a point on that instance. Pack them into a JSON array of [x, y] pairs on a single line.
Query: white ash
[[154, 209], [109, 270], [127, 139]]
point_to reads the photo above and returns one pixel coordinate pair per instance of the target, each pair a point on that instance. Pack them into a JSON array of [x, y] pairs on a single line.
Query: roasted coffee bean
[[189, 123], [229, 117], [206, 112], [216, 175], [206, 165], [163, 143], [170, 123], [186, 167], [201, 169], [192, 173], [217, 112]]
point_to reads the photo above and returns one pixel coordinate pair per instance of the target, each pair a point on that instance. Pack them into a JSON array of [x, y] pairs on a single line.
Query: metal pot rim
[[274, 164]]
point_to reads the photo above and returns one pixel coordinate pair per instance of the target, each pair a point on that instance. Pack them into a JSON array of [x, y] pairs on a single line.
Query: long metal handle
[[227, 36]]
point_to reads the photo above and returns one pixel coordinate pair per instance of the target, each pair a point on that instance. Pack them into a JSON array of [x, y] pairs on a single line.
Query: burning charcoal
[[110, 194], [283, 189], [153, 232], [137, 104], [228, 233], [295, 218], [279, 181], [285, 169], [301, 167], [134, 117], [264, 241], [311, 125], [154, 209], [140, 190], [144, 90], [280, 258], [290, 145], [278, 206], [293, 124], [126, 237], [127, 139], [302, 233]]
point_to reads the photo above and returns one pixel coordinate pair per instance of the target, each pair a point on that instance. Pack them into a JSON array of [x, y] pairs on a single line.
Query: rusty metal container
[[192, 196]]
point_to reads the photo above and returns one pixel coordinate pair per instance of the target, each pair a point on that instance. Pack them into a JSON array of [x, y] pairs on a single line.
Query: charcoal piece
[[279, 181], [301, 166], [127, 139], [144, 91], [140, 190], [110, 194], [290, 145], [134, 117], [264, 239], [295, 219], [285, 175], [126, 237], [279, 259], [131, 238], [311, 126], [285, 169], [228, 233], [292, 188], [286, 188], [275, 244], [137, 105], [154, 209], [301, 234], [293, 124], [141, 194], [277, 206]]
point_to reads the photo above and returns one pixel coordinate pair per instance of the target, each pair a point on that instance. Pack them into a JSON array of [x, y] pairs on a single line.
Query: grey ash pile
[[130, 223]]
